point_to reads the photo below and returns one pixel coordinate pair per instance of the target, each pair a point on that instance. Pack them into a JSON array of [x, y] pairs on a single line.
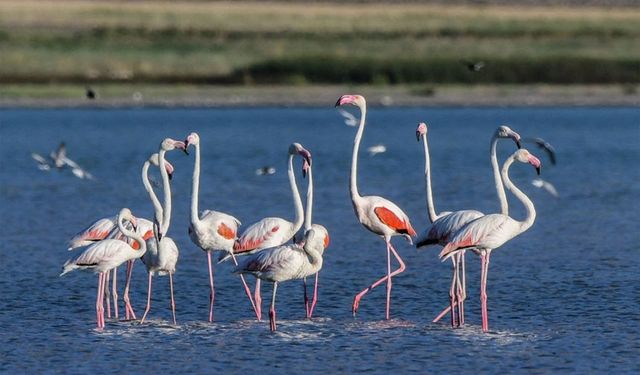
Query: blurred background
[[290, 51]]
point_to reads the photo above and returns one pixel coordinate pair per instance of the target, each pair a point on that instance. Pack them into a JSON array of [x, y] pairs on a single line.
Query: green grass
[[292, 43]]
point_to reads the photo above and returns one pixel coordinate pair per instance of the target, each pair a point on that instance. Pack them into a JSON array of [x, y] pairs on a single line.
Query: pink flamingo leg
[[128, 309], [446, 310], [358, 297], [483, 291], [246, 289], [173, 302], [315, 296], [452, 292], [99, 299], [212, 292], [114, 293], [272, 309], [463, 290], [107, 295], [258, 300], [146, 310]]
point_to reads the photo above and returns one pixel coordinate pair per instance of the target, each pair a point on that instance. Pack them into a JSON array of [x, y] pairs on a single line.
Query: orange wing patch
[[226, 232], [96, 235], [244, 246], [393, 221], [148, 234], [326, 241]]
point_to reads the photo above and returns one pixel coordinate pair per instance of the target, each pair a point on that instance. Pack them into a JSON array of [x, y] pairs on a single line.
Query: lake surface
[[563, 297]]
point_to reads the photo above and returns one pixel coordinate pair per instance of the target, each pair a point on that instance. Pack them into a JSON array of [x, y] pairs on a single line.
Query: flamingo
[[106, 255], [445, 223], [489, 232], [288, 262], [377, 214], [274, 231], [108, 227], [211, 230], [307, 226], [162, 254]]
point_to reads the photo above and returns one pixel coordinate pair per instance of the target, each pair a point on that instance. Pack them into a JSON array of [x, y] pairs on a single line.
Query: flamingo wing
[[278, 264], [97, 231], [489, 231], [441, 230], [109, 253], [399, 223], [265, 233]]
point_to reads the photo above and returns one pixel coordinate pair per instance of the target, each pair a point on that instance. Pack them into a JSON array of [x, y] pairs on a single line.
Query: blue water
[[563, 296]]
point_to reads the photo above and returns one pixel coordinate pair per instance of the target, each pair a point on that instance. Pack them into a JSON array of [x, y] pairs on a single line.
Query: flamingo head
[[296, 148], [170, 144], [504, 132], [153, 159], [357, 100], [524, 156], [317, 236], [421, 130], [192, 139], [126, 214]]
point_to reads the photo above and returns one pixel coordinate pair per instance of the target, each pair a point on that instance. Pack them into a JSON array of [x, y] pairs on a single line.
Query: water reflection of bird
[[489, 232], [377, 149], [474, 66], [266, 170], [543, 145], [540, 183], [375, 213], [58, 159], [349, 119]]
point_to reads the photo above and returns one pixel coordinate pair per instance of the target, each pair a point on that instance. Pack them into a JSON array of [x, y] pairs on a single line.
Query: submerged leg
[[272, 309], [358, 297], [173, 302], [246, 289], [146, 310]]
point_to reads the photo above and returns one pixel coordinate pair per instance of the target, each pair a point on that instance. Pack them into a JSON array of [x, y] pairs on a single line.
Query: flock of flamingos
[[263, 251]]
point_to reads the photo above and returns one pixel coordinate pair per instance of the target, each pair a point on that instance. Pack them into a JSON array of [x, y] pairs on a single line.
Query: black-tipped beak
[[170, 176], [418, 136], [338, 102], [185, 150], [519, 145], [186, 146], [538, 170]]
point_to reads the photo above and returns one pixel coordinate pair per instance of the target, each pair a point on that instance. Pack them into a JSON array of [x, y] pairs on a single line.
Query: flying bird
[[546, 185], [266, 170], [377, 149], [349, 119]]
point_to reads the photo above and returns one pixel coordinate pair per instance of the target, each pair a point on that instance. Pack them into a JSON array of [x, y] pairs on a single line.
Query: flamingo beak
[[182, 146], [417, 136], [345, 99], [536, 163]]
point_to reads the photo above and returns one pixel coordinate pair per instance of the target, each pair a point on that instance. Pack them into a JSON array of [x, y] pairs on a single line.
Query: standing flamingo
[[288, 262], [492, 231], [308, 214], [106, 255], [212, 230], [445, 223], [162, 252], [107, 228], [377, 214], [274, 231]]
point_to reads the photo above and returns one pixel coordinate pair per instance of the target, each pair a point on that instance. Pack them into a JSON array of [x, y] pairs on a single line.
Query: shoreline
[[181, 96]]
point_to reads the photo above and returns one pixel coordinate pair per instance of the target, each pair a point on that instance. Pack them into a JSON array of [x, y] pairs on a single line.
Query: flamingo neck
[[297, 201], [427, 177], [531, 211], [502, 196], [133, 235], [309, 209], [157, 207], [195, 187], [314, 256], [165, 219], [353, 185]]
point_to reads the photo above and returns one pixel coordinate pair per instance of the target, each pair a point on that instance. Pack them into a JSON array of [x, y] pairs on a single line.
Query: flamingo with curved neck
[[274, 231], [211, 230], [106, 255], [445, 223], [376, 214], [492, 231]]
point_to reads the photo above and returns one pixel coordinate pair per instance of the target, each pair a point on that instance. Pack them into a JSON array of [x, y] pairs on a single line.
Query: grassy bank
[[297, 44]]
